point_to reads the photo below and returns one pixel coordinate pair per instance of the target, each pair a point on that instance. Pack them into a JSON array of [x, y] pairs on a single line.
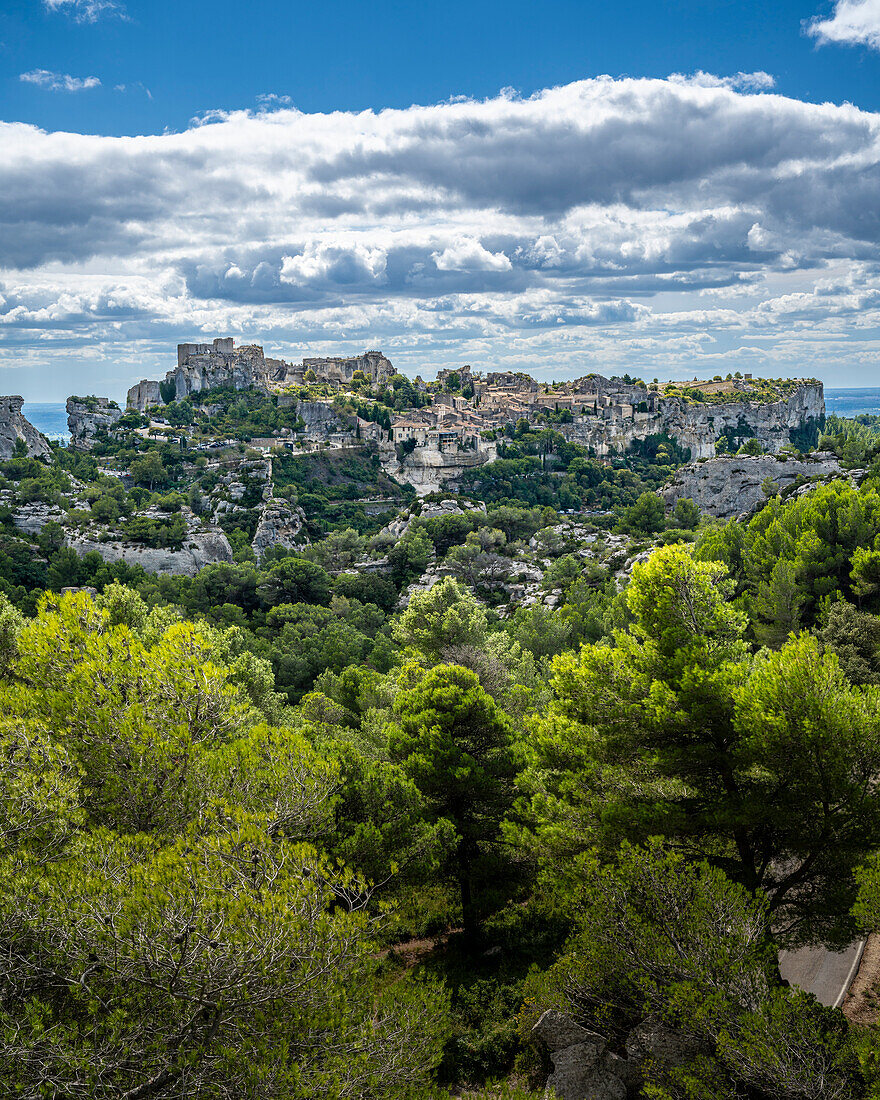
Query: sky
[[671, 190]]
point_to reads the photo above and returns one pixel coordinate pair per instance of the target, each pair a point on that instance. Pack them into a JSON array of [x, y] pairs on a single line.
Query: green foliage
[[680, 947], [456, 746], [443, 616], [759, 764], [166, 929]]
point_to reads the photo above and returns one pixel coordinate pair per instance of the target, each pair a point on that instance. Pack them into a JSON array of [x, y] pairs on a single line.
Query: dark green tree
[[455, 744]]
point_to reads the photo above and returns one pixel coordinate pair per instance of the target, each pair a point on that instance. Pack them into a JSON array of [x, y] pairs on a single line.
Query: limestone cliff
[[202, 547], [431, 471], [87, 416], [730, 485], [14, 427], [698, 426]]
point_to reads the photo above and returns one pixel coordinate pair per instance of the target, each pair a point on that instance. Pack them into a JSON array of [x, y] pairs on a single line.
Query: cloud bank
[[657, 226]]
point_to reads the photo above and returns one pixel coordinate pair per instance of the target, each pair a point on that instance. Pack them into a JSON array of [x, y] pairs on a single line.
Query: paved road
[[826, 974]]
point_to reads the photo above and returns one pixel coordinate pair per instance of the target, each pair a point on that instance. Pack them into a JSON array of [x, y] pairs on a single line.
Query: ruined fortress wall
[[220, 363]]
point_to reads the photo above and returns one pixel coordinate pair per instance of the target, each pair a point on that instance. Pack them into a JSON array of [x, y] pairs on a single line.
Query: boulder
[[579, 1075], [653, 1041], [281, 524], [557, 1030], [583, 1069]]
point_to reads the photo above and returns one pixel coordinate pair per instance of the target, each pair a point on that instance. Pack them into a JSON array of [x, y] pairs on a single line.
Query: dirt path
[[862, 1004]]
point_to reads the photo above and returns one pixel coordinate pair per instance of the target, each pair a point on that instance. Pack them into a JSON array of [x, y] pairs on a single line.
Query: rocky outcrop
[[433, 471], [697, 426], [729, 485], [14, 428], [281, 524], [322, 420], [203, 546], [32, 518], [89, 416], [144, 395], [220, 363], [582, 1067]]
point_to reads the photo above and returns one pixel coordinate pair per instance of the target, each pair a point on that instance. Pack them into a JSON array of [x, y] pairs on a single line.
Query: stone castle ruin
[[221, 363]]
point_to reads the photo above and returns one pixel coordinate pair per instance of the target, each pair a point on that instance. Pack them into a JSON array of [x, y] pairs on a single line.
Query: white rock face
[[430, 471], [698, 427], [280, 525], [86, 418], [201, 547], [729, 485], [144, 395], [14, 427]]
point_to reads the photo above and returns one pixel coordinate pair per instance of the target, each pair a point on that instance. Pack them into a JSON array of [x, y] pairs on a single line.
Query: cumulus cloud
[[853, 22], [607, 223], [467, 254], [59, 82], [86, 11]]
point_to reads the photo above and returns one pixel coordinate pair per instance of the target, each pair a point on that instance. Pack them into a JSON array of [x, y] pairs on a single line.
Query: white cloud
[[853, 22], [608, 224], [745, 82], [86, 11], [467, 254], [59, 82]]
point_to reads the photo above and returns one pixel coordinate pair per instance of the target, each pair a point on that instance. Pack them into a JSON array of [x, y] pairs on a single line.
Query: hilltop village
[[233, 456], [436, 430]]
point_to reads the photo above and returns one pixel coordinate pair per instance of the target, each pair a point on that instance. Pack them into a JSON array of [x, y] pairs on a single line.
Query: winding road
[[826, 974]]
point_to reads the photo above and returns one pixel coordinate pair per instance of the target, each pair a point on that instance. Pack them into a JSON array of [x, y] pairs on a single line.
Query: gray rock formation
[[582, 1067], [322, 420], [432, 471], [652, 1041], [32, 518], [730, 485], [281, 524], [696, 426], [88, 416], [203, 546], [144, 395], [14, 427]]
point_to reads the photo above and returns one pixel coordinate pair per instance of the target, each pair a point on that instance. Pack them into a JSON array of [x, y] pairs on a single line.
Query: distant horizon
[[61, 402]]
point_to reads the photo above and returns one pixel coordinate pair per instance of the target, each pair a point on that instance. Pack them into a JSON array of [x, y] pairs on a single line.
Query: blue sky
[[449, 182]]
